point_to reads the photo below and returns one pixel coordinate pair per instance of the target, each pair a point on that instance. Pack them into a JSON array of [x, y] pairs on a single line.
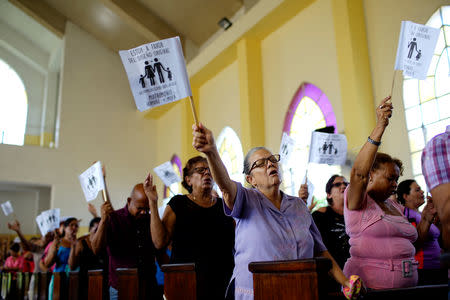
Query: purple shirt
[[431, 248], [129, 245], [264, 233]]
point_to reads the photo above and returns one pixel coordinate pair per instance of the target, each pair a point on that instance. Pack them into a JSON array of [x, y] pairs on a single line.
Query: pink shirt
[[373, 234], [378, 245], [14, 263]]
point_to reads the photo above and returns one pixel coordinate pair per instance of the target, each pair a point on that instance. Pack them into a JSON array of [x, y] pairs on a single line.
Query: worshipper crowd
[[371, 228]]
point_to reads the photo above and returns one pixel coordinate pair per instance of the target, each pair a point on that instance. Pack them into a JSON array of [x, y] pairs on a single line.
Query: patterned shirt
[[436, 160], [265, 233]]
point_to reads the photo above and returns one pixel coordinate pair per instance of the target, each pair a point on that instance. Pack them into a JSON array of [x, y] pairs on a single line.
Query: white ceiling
[[123, 24]]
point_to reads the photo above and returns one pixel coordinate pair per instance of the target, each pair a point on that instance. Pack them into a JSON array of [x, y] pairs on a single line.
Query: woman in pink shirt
[[381, 238], [14, 262]]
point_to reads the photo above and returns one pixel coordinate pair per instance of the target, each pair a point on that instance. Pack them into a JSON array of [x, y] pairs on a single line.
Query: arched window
[[427, 102], [308, 111], [13, 106], [174, 188], [230, 150]]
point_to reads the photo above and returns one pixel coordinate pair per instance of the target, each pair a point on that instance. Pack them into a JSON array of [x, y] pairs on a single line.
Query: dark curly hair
[[329, 186], [383, 158], [93, 222], [404, 187], [15, 247], [188, 168]]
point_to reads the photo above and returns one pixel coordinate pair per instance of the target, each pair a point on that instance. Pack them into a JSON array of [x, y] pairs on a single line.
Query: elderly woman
[[428, 253], [270, 225], [197, 227], [381, 238]]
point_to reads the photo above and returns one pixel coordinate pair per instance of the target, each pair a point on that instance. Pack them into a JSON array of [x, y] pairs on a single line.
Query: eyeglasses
[[263, 161], [201, 170], [338, 184]]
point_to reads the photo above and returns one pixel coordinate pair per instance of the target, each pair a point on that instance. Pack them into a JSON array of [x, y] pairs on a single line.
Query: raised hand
[[303, 192], [150, 189], [313, 204], [15, 226], [384, 112], [92, 210], [203, 139], [57, 236], [429, 211], [106, 209]]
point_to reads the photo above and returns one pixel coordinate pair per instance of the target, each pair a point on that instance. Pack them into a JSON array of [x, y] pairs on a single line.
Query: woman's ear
[[370, 175], [250, 180], [187, 179], [405, 196]]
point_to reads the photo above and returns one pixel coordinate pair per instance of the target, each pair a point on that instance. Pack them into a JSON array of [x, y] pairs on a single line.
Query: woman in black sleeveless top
[[82, 256], [198, 229]]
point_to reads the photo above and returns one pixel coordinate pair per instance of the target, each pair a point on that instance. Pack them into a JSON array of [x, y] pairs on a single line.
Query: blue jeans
[[113, 293]]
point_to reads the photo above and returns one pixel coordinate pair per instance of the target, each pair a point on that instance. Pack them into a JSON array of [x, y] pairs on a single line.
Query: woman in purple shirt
[[270, 225], [428, 250]]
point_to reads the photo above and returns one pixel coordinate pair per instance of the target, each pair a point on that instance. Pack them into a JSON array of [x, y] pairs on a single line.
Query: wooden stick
[[392, 86], [194, 112], [105, 198]]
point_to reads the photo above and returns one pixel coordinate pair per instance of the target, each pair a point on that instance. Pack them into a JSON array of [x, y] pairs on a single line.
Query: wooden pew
[[74, 286], [60, 286], [294, 279], [180, 281], [22, 283], [95, 285], [5, 284], [128, 284], [304, 279], [43, 282], [434, 292], [34, 284]]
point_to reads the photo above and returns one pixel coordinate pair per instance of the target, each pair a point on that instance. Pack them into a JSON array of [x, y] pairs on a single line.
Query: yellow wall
[[300, 51], [99, 121], [46, 140], [382, 32], [168, 143], [219, 101]]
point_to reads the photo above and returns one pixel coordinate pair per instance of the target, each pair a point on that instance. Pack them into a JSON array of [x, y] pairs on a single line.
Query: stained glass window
[[230, 151], [13, 106], [309, 110], [427, 102]]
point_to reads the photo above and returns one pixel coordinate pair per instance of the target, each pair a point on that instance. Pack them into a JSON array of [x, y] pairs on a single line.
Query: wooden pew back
[[60, 286], [128, 284], [295, 279], [95, 285], [74, 286], [180, 281], [43, 282]]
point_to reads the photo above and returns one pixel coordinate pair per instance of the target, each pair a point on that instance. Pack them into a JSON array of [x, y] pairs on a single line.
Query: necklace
[[211, 201]]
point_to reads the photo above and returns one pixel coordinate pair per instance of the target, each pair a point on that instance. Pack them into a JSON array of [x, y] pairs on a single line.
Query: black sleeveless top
[[204, 236]]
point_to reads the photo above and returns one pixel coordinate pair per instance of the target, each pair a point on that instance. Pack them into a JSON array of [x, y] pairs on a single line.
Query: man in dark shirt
[[330, 220], [126, 235]]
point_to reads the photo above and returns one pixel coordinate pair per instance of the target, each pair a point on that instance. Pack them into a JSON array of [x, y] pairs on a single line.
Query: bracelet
[[373, 142]]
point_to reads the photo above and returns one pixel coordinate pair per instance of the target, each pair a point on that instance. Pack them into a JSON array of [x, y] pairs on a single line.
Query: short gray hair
[[247, 165]]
